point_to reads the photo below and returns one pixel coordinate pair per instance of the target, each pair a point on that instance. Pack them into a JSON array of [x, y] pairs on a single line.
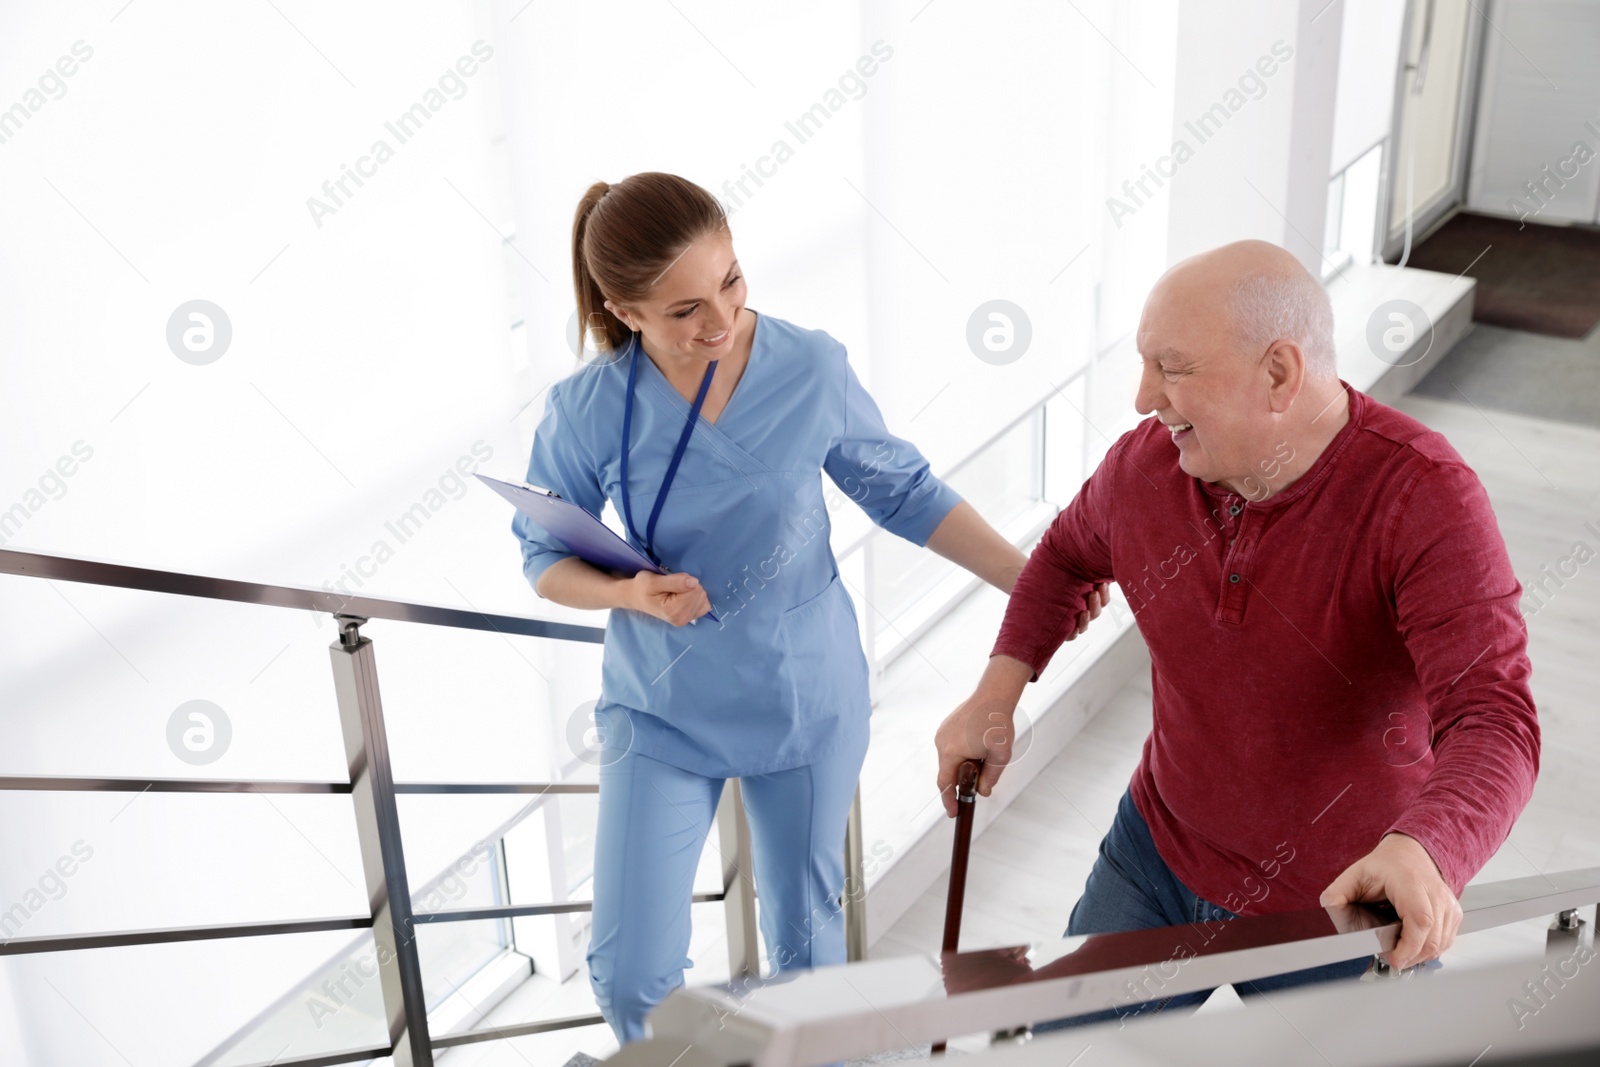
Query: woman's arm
[[559, 462], [575, 584], [674, 598], [963, 538]]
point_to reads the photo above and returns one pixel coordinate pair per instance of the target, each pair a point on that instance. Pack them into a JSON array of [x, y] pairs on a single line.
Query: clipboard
[[579, 531]]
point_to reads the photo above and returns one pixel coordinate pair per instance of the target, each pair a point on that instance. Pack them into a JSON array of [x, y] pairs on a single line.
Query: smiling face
[[1216, 397], [693, 311]]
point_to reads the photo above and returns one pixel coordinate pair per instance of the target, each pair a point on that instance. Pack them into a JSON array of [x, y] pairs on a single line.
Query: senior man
[[1341, 701]]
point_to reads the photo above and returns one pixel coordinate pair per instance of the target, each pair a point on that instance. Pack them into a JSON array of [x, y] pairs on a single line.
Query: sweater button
[[1235, 509], [1233, 577]]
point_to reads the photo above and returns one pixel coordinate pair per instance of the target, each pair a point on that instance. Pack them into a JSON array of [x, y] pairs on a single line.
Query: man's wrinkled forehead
[[1169, 356], [1171, 330]]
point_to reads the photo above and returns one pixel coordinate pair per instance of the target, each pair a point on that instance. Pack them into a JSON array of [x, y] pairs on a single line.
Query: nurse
[[708, 427]]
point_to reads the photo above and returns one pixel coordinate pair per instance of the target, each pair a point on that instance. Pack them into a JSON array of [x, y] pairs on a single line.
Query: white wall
[[1538, 122], [1262, 172]]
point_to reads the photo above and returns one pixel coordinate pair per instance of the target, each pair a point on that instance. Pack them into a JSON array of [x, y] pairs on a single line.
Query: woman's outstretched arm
[[965, 539]]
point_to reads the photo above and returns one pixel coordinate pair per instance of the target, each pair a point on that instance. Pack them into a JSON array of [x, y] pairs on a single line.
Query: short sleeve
[[560, 464], [883, 473]]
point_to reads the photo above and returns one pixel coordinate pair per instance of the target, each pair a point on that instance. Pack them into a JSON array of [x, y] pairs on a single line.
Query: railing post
[[366, 746], [855, 886], [739, 892], [1564, 935]]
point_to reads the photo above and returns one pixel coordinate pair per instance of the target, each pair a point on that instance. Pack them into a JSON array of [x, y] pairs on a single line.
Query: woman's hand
[[1094, 603], [674, 598]]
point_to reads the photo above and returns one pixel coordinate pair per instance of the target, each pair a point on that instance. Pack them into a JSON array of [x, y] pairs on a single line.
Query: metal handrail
[[23, 946], [552, 788], [522, 911], [505, 1033], [373, 790], [862, 1009], [46, 783], [125, 576], [60, 783]]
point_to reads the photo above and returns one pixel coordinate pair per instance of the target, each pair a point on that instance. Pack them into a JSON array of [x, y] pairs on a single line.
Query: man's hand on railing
[[1400, 871], [985, 969]]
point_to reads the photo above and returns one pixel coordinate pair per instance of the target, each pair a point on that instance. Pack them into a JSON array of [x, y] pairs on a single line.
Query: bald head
[[1259, 293]]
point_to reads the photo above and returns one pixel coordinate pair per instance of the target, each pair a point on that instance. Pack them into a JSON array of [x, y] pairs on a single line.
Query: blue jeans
[[1132, 888]]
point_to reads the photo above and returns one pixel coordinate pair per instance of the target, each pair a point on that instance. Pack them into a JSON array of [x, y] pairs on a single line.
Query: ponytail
[[594, 321], [624, 237]]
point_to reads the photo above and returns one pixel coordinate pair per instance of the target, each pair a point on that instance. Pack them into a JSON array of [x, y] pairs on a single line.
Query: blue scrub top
[[781, 681]]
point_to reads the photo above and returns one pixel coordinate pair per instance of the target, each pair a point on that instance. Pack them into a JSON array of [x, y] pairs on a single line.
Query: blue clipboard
[[580, 532]]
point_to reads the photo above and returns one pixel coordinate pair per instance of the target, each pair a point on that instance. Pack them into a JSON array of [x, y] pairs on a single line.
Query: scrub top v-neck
[[649, 538], [781, 679]]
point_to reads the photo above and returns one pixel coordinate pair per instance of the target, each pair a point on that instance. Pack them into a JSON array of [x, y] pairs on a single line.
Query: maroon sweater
[[1340, 660]]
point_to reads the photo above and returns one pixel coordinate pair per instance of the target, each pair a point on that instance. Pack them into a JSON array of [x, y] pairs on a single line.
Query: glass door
[[1433, 107]]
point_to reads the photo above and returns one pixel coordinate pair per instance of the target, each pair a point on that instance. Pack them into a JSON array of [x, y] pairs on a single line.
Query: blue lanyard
[[648, 540]]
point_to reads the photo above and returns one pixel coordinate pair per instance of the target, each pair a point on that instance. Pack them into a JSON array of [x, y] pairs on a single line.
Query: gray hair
[[1271, 306]]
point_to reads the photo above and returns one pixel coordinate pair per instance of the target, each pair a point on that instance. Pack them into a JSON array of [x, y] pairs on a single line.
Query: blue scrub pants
[[1132, 888], [653, 823]]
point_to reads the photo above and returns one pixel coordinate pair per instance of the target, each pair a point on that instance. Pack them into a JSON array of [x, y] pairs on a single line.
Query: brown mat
[[1543, 279]]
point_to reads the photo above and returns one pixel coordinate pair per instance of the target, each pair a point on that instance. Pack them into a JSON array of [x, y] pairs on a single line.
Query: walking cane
[[966, 802]]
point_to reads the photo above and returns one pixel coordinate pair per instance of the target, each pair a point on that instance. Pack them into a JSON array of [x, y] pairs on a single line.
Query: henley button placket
[[1230, 605]]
